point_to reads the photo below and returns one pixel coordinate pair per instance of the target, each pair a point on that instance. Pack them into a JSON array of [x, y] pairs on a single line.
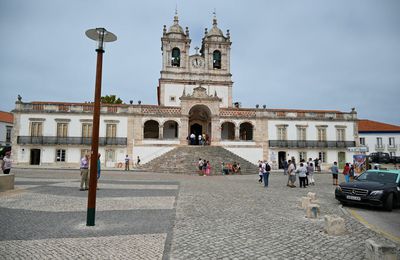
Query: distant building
[[194, 96], [379, 137], [6, 125]]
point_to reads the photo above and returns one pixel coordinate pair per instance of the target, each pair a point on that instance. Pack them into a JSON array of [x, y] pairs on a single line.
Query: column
[[183, 131], [237, 131], [160, 131]]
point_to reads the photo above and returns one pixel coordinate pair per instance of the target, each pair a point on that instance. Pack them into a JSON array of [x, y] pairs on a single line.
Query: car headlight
[[338, 188], [376, 193]]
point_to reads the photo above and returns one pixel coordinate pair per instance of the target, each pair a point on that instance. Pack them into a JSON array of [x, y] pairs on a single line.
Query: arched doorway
[[246, 131], [150, 129], [170, 130], [200, 122], [228, 131]]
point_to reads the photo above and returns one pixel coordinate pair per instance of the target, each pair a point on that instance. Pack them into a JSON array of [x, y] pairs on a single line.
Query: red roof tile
[[6, 117], [374, 126]]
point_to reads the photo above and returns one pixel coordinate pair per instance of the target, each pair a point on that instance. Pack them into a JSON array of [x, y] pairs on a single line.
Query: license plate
[[353, 197]]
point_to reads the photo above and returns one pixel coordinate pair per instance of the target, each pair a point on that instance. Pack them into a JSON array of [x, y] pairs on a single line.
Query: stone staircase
[[184, 159]]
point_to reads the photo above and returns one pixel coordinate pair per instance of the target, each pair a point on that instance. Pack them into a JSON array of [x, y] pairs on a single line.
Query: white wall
[[250, 154], [371, 142], [3, 131], [148, 153], [311, 129], [74, 125]]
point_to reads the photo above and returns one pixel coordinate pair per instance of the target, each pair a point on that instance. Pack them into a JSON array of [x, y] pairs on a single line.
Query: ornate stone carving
[[200, 93]]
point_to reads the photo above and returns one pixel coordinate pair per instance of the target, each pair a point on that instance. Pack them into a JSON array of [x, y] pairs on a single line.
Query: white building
[[379, 137], [194, 96]]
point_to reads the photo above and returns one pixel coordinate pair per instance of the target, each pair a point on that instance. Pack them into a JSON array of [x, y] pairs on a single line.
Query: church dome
[[215, 31], [176, 28]]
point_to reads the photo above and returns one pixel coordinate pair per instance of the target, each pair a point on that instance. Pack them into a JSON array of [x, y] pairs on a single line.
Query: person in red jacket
[[346, 172]]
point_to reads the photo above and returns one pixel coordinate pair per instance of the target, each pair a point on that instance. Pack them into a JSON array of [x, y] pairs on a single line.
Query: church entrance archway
[[200, 122]]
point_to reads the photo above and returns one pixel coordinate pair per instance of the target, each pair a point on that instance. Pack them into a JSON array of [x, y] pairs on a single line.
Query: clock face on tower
[[197, 63]]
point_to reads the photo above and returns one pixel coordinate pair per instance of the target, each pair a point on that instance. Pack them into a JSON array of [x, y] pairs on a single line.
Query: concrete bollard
[[313, 211], [379, 251], [7, 182], [334, 225], [312, 196], [304, 202]]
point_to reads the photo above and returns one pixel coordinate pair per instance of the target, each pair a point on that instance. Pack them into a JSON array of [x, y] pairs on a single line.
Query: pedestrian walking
[[291, 175], [310, 170], [351, 172], [335, 173], [84, 167], [266, 170], [302, 171], [6, 163], [192, 138], [346, 172], [98, 169], [127, 159], [138, 161], [260, 172], [285, 167]]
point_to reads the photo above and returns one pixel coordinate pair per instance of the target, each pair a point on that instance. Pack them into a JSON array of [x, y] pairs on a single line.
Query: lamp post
[[100, 35]]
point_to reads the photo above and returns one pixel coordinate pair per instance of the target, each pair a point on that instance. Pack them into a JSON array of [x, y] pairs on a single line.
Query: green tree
[[111, 99]]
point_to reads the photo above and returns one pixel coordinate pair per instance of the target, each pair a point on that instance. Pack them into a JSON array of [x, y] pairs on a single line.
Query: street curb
[[356, 216]]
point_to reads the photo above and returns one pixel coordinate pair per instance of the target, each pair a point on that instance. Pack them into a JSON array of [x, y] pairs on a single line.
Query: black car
[[373, 187], [380, 157]]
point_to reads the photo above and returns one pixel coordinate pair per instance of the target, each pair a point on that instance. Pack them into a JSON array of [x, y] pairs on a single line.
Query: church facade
[[194, 96]]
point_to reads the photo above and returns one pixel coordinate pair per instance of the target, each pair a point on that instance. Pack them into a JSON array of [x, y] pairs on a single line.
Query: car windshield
[[381, 177]]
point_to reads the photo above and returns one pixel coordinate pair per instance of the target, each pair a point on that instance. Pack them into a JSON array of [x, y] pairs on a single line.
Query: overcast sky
[[300, 54]]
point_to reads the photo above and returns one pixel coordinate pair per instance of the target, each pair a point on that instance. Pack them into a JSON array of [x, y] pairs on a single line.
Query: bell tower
[[175, 45], [182, 73]]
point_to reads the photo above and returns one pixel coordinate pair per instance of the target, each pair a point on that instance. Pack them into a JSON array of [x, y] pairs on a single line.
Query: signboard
[[360, 163], [360, 149]]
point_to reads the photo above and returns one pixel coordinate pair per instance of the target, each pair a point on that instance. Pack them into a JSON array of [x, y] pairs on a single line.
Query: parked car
[[380, 157], [373, 187], [3, 151]]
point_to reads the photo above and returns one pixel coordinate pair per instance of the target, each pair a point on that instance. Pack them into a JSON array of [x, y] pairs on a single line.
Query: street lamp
[[100, 35]]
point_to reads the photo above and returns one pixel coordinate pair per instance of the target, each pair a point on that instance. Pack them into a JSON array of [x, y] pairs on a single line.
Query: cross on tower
[[197, 49]]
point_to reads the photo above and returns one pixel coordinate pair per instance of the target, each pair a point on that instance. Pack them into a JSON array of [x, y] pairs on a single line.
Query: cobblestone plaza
[[170, 216]]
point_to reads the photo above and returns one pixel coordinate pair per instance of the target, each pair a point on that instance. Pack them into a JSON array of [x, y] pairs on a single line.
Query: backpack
[[267, 167]]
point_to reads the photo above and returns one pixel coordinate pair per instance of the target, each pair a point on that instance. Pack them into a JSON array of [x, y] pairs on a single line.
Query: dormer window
[[176, 57], [217, 59]]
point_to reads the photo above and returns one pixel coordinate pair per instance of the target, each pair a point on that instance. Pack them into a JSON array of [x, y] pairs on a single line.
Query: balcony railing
[[379, 147], [311, 144], [54, 140]]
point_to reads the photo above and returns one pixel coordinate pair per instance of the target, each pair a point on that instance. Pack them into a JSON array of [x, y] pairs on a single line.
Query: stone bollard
[[379, 251], [7, 181], [304, 202], [313, 211], [334, 225], [312, 196]]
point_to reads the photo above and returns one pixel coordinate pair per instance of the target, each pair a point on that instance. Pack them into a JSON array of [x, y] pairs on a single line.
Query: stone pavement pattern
[[166, 216]]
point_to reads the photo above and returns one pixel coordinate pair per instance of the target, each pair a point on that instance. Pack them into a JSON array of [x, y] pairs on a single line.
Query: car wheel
[[389, 202]]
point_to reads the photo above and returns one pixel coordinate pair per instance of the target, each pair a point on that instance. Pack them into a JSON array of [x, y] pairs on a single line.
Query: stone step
[[184, 159]]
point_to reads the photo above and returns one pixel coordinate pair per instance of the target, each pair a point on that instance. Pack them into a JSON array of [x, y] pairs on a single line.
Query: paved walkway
[[166, 216]]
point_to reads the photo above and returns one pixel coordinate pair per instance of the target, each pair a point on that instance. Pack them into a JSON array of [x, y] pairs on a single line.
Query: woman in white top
[[310, 170], [6, 164], [302, 171]]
